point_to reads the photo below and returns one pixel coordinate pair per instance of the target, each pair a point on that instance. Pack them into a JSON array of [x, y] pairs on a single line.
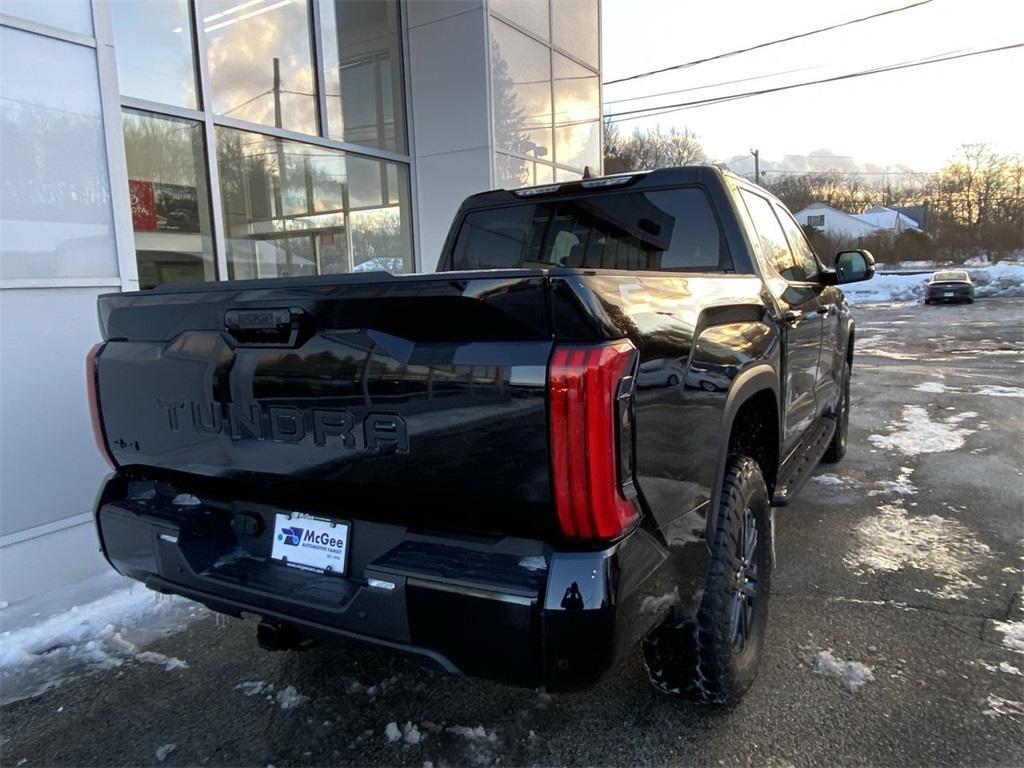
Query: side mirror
[[854, 266]]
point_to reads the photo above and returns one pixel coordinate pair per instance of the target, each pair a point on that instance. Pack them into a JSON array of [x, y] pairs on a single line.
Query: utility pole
[[757, 165]]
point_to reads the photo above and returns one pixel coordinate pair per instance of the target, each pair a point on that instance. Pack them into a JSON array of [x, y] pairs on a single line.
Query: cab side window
[[771, 236], [806, 264]]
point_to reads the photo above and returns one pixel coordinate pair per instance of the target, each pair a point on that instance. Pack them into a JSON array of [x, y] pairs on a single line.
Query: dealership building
[[144, 143]]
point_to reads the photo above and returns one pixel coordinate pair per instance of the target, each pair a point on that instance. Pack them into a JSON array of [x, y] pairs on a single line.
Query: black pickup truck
[[565, 442]]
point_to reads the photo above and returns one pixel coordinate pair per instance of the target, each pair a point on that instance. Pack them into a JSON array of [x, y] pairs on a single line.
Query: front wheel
[[714, 659]]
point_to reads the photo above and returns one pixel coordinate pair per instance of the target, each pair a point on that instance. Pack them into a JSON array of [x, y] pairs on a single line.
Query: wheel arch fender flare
[[757, 378]]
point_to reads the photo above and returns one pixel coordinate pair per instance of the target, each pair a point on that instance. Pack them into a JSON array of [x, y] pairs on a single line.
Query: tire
[[837, 447], [714, 659]]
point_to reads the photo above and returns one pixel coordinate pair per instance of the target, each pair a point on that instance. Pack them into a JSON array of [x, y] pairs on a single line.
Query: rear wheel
[[837, 448], [714, 658]]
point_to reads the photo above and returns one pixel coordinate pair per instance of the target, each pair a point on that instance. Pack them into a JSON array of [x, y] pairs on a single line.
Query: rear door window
[[672, 230]]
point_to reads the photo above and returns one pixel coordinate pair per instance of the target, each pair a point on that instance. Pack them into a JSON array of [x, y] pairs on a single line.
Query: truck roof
[[659, 177]]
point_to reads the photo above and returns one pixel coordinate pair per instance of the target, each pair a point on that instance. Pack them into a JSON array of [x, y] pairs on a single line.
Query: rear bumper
[[957, 295], [512, 610]]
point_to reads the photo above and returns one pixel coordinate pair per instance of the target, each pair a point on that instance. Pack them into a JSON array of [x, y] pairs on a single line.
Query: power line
[[712, 85], [727, 54], [635, 114]]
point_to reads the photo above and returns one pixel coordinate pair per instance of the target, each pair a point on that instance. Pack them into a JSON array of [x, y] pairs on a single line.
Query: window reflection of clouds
[[522, 92], [577, 143], [154, 51], [243, 42]]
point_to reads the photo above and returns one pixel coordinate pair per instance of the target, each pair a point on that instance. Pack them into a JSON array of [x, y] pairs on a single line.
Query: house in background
[[851, 226]]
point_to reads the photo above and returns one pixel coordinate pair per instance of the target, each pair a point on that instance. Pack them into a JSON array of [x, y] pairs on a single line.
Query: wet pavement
[[904, 559]]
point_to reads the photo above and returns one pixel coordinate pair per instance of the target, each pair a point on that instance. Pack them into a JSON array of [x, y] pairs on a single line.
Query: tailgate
[[417, 399]]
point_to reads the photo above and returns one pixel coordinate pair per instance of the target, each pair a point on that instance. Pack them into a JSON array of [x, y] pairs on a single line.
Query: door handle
[[826, 309], [792, 316]]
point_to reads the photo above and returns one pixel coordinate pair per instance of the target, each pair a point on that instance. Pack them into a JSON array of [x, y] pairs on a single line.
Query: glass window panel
[[72, 15], [55, 211], [770, 235], [260, 63], [531, 15], [671, 229], [170, 199], [381, 236], [363, 73], [521, 75], [154, 51], [563, 175], [575, 27], [803, 255], [543, 174], [577, 115], [288, 208], [512, 172]]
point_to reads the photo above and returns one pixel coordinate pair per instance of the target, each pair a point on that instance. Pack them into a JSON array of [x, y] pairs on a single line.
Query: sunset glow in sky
[[915, 117]]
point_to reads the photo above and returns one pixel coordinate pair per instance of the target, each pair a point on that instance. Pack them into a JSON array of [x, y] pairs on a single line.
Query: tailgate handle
[[265, 326]]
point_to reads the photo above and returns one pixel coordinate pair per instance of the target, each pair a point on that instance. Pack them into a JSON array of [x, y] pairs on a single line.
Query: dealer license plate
[[311, 543]]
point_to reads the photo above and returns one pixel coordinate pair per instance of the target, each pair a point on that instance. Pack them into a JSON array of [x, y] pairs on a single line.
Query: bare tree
[[647, 149]]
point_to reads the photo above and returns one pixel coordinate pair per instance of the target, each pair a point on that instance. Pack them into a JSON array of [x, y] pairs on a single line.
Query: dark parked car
[[950, 286], [463, 465]]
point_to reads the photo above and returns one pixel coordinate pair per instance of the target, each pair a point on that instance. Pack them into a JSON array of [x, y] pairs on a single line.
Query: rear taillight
[[94, 404], [591, 438]]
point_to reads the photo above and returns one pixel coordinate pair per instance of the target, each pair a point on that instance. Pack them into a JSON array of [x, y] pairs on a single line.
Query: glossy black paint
[[415, 409]]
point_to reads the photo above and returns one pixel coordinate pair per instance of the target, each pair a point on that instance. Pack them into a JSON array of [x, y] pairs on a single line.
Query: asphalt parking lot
[[906, 558]]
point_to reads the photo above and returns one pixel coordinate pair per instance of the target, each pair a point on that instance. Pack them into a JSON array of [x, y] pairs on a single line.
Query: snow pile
[[408, 733], [163, 751], [893, 540], [1005, 279], [851, 674], [901, 485], [473, 734], [994, 390], [931, 387], [43, 652], [286, 698], [1013, 631], [827, 478], [919, 434], [998, 707]]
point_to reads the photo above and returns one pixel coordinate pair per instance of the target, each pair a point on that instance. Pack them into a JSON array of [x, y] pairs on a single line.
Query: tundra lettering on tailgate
[[378, 431]]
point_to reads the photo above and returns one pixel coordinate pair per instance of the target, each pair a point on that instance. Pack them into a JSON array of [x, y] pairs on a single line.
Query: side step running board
[[798, 467]]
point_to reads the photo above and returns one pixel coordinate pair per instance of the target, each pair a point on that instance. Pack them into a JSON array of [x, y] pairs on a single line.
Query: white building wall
[[450, 113], [58, 251]]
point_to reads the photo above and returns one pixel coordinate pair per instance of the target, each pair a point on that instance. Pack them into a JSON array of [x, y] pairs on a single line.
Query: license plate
[[947, 293], [311, 543]]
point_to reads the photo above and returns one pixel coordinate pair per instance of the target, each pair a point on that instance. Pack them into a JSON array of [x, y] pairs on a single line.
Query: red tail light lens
[[94, 404], [589, 466]]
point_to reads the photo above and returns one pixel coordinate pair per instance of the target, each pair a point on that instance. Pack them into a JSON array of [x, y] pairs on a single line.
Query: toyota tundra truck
[[564, 443]]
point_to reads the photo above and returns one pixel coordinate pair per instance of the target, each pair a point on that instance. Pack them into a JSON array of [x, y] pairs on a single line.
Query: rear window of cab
[[673, 230]]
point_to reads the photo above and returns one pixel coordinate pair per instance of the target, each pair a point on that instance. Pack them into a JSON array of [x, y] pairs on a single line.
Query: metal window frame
[[114, 103]]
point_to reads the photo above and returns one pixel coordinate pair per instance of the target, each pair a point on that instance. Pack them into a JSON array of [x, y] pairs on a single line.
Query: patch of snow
[[901, 485], [473, 734], [919, 434], [167, 662], [1013, 634], [993, 390], [893, 540], [851, 674], [827, 478], [534, 563], [999, 707], [1008, 668], [660, 603], [254, 687], [289, 698], [163, 751], [392, 732], [100, 634], [932, 387]]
